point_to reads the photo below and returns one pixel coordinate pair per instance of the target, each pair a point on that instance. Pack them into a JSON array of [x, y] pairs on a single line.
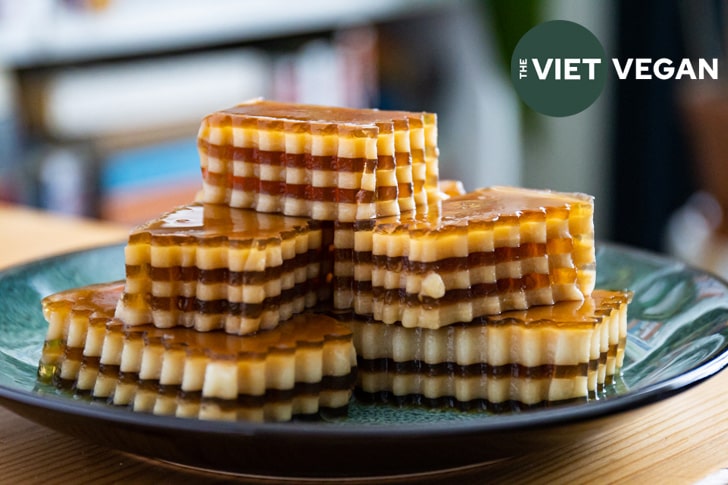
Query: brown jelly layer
[[327, 383], [494, 204], [562, 313], [94, 301], [503, 286], [472, 260], [222, 275], [211, 224], [291, 160], [321, 114], [304, 191], [482, 369], [217, 307], [449, 402]]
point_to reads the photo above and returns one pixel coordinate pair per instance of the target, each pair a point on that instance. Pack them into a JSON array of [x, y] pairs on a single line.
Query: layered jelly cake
[[304, 364], [548, 353], [326, 163], [212, 266], [486, 296], [487, 251]]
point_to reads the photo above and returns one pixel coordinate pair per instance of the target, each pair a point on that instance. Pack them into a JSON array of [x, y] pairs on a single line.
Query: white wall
[[479, 126], [573, 153]]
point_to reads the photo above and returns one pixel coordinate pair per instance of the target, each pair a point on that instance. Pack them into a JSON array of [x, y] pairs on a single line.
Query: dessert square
[[212, 266], [326, 163], [305, 363], [482, 253], [541, 355]]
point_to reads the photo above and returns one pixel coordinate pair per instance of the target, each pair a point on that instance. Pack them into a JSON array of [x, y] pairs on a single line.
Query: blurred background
[[100, 100]]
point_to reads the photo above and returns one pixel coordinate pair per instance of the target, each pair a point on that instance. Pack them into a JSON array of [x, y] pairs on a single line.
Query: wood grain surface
[[680, 440]]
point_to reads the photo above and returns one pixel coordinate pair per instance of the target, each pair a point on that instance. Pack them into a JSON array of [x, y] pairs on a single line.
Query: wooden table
[[680, 440]]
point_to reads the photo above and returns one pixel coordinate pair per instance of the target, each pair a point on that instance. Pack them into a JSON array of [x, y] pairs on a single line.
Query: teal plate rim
[[672, 291]]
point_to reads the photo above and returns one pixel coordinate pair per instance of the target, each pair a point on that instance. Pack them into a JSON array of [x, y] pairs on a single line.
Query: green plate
[[677, 338]]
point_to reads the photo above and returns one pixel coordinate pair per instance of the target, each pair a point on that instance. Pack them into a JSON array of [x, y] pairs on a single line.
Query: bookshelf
[[103, 97]]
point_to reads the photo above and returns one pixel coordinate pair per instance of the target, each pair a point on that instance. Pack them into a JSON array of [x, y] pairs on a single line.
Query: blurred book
[[340, 71], [137, 185], [118, 137], [133, 97]]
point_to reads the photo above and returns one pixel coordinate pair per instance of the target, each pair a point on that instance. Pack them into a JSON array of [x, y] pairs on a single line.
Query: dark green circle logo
[[558, 68]]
